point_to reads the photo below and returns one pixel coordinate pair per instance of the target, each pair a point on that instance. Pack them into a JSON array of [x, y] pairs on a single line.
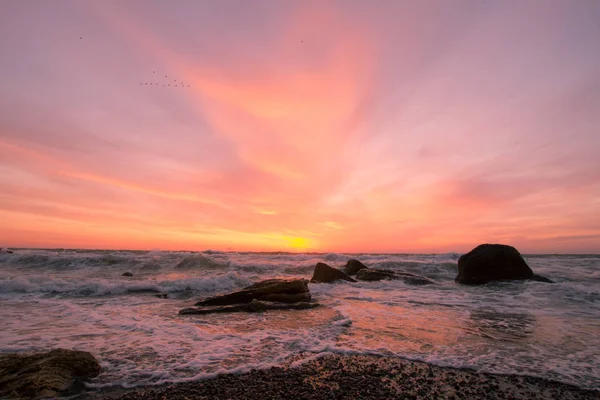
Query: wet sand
[[356, 377]]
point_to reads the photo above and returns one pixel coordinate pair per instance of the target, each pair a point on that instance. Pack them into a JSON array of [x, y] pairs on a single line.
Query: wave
[[198, 261], [101, 287]]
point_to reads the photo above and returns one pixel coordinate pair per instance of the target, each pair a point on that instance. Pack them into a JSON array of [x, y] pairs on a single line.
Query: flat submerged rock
[[254, 306], [358, 377]]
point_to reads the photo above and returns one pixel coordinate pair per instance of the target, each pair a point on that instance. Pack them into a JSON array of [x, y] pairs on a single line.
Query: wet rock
[[253, 306], [127, 274], [325, 274], [162, 295], [6, 251], [283, 290], [353, 266], [540, 278], [57, 372], [493, 262], [370, 275], [286, 297]]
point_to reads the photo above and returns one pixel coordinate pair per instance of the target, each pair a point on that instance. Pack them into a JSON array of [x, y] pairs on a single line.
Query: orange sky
[[351, 126]]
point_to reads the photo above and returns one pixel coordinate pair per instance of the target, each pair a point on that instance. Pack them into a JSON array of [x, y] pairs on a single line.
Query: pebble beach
[[355, 377]]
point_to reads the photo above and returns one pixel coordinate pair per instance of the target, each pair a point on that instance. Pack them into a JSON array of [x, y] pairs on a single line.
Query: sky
[[288, 125]]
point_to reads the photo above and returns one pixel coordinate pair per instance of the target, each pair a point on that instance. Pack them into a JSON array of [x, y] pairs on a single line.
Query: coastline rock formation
[[127, 274], [370, 275], [325, 274], [493, 262], [353, 266], [272, 294], [270, 290], [57, 372], [253, 306]]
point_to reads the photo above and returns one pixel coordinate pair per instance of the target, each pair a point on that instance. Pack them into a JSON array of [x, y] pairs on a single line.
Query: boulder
[[353, 266], [370, 274], [325, 274], [540, 278], [493, 262], [253, 306], [127, 274], [270, 290], [50, 374]]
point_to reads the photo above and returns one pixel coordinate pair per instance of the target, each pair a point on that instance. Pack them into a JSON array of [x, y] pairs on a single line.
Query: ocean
[[78, 299]]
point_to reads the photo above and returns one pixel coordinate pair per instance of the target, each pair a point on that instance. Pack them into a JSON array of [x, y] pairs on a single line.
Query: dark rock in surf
[[325, 274], [162, 295], [540, 278], [127, 274], [353, 266], [493, 262], [270, 290], [57, 372], [253, 306], [6, 251], [286, 297], [370, 275]]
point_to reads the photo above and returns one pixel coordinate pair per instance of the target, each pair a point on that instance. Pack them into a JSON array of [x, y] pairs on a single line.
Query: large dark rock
[[253, 306], [540, 278], [325, 274], [127, 274], [369, 274], [492, 262], [353, 266], [270, 290], [57, 372]]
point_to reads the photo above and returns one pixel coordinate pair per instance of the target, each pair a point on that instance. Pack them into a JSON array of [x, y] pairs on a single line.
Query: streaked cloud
[[322, 126]]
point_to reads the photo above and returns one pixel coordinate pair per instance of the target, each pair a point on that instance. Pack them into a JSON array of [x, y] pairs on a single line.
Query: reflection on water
[[398, 329], [496, 325]]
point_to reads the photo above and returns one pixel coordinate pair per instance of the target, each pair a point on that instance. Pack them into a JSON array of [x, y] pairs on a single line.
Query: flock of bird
[[166, 82]]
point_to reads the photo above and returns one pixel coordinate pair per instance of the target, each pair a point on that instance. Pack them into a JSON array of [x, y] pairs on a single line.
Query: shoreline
[[334, 376]]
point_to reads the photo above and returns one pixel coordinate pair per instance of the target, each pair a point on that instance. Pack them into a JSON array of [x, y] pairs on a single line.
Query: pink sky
[[355, 126]]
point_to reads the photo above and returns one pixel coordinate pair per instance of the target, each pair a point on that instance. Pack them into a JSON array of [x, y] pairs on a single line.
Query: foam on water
[[79, 300]]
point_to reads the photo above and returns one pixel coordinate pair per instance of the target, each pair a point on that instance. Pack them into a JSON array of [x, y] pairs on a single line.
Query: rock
[[492, 262], [57, 372], [274, 289], [286, 297], [370, 274], [325, 274], [127, 274], [353, 266], [540, 278], [6, 251], [162, 295], [253, 306]]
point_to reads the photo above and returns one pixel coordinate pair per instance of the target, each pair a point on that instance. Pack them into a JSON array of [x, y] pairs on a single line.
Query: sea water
[[78, 299]]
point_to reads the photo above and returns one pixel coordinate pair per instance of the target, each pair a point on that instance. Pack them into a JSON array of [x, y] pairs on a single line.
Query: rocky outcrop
[[493, 262], [127, 274], [325, 274], [270, 290], [353, 266], [253, 306], [369, 274], [57, 372], [5, 251]]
